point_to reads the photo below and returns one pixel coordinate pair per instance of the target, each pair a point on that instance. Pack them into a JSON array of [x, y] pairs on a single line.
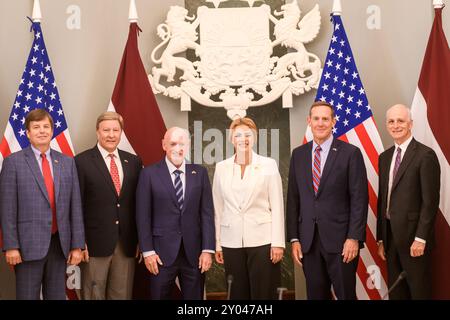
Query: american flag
[[341, 86], [37, 89]]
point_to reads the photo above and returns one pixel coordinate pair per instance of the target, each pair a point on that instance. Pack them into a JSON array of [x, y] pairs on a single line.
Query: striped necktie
[[179, 188], [316, 169]]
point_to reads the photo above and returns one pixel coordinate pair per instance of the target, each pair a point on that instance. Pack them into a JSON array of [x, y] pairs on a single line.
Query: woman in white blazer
[[249, 217]]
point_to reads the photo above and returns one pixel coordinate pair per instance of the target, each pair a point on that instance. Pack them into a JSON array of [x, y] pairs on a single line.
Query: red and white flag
[[144, 126], [134, 100], [431, 116]]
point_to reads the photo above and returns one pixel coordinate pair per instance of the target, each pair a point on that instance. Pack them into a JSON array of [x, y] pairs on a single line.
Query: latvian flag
[[431, 116]]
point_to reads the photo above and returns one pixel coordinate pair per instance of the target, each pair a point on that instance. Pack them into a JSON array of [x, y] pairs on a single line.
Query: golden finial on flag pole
[[37, 14], [133, 15], [337, 8]]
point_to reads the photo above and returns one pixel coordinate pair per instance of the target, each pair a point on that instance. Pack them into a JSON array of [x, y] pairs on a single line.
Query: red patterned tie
[[48, 179], [114, 171], [316, 169]]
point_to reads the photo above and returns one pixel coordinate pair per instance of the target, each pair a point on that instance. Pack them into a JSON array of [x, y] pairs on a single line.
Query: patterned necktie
[[398, 160], [48, 179], [316, 169], [179, 188], [114, 171]]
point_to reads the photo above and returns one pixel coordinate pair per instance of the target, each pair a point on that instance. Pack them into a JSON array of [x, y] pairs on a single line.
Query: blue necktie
[[179, 188]]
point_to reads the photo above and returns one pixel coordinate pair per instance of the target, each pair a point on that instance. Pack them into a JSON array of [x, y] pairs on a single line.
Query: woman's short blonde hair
[[244, 122]]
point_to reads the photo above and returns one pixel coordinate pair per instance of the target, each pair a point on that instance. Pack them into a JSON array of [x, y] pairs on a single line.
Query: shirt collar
[[37, 152], [105, 153], [172, 168], [326, 145], [404, 145]]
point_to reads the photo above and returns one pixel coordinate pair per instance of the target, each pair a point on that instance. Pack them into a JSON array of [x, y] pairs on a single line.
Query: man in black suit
[[408, 200], [108, 178], [327, 208]]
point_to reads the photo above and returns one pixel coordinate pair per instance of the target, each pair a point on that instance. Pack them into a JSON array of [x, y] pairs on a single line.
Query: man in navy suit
[[175, 220], [41, 214], [327, 208]]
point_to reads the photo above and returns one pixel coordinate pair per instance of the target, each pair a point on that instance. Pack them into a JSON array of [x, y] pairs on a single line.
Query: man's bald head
[[399, 108], [176, 144], [399, 123]]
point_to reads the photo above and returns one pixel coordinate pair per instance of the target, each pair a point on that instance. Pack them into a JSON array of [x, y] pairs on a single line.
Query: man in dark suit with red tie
[[175, 219], [108, 178], [40, 211], [327, 207], [408, 201]]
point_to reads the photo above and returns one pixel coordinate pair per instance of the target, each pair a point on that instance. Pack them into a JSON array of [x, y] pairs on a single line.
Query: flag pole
[[37, 14], [133, 15], [438, 4], [337, 8]]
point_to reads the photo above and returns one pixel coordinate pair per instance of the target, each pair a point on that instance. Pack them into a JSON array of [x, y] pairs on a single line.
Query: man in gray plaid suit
[[41, 215]]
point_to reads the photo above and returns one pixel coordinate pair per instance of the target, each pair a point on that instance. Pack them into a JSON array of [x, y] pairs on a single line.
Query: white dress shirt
[[105, 155]]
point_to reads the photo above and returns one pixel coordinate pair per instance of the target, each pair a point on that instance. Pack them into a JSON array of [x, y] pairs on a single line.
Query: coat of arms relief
[[235, 68]]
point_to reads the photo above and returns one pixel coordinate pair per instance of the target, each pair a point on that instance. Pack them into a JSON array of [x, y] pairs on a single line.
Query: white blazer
[[259, 219]]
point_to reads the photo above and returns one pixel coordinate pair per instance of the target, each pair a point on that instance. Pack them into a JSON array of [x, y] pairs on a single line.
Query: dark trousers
[[323, 270], [191, 280], [417, 284], [254, 275], [48, 273]]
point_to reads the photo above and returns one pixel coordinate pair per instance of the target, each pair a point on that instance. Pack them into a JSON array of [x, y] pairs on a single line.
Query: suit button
[[118, 205], [117, 221]]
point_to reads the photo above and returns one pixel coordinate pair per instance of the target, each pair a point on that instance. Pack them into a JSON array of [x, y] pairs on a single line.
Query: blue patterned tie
[[179, 188]]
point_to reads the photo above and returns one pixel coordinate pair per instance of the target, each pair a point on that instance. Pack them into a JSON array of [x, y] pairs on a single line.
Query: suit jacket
[[259, 220], [340, 207], [162, 226], [107, 216], [26, 215], [414, 196]]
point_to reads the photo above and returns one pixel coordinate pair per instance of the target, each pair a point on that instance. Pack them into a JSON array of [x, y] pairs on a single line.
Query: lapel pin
[[334, 149], [194, 172], [55, 161], [125, 160]]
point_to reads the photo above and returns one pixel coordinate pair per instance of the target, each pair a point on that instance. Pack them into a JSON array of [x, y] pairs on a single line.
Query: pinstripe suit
[[26, 220]]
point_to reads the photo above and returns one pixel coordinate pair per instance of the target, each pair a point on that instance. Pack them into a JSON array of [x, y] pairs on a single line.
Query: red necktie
[[48, 179], [316, 169], [114, 171]]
